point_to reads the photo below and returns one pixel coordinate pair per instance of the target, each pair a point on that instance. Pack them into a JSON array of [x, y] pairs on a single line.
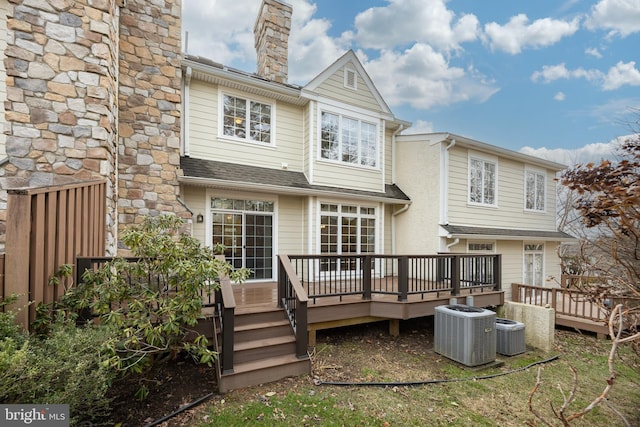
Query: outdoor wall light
[[200, 218]]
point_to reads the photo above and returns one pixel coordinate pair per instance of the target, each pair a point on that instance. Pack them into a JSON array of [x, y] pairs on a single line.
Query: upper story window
[[247, 119], [348, 140], [535, 184], [482, 181]]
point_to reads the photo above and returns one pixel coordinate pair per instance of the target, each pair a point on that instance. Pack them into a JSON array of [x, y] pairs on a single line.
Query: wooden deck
[[337, 311], [573, 308]]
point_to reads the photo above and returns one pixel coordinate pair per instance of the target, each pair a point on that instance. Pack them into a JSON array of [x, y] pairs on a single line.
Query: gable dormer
[[346, 81]]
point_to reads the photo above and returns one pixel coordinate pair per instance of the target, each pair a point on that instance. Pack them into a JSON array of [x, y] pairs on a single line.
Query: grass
[[371, 355]]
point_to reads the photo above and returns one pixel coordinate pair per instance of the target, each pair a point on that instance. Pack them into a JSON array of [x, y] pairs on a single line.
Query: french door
[[247, 237]]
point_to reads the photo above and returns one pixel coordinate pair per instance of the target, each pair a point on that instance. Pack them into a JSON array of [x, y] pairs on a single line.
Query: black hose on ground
[[425, 382], [181, 409]]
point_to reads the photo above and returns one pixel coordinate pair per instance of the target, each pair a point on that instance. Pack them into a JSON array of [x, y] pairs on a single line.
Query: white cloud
[[550, 73], [620, 75], [618, 16], [420, 126], [210, 35], [560, 96], [411, 21], [518, 34], [422, 78], [593, 52], [589, 153]]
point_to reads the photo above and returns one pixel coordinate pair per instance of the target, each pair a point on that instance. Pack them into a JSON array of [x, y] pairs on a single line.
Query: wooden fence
[[47, 228]]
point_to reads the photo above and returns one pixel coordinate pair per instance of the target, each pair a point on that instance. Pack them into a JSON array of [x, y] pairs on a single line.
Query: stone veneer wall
[[149, 116], [61, 106], [271, 40]]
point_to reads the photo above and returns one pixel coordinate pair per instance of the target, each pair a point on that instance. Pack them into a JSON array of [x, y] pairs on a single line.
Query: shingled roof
[[236, 175], [484, 232]]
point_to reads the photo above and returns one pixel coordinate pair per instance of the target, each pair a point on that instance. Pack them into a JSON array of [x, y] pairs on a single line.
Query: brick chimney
[[271, 33]]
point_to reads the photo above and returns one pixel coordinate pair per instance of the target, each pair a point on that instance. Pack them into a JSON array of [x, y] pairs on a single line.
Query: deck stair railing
[[293, 298]]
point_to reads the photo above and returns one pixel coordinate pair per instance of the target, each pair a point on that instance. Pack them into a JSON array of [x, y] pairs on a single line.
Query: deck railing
[[323, 276], [157, 282], [303, 279], [570, 302]]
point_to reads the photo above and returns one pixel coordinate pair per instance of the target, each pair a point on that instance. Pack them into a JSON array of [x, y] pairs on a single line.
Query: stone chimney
[[271, 33]]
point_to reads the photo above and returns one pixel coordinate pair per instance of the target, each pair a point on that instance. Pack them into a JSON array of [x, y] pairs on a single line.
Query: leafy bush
[[66, 367], [153, 301]]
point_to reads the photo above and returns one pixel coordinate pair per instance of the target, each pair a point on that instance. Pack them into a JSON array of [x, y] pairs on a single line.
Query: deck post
[[515, 292], [497, 272], [455, 275], [301, 329], [403, 278], [281, 283], [227, 339], [366, 277]]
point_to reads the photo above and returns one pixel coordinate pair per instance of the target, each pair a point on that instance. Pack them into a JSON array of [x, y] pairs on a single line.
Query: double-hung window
[[349, 140], [246, 119], [482, 181], [533, 264], [534, 190]]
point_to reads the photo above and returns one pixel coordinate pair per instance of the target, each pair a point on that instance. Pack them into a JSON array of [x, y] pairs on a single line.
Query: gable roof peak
[[349, 56]]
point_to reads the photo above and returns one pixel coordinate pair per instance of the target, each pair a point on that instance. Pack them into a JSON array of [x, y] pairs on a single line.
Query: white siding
[[205, 143], [334, 88], [510, 212], [195, 199], [291, 221]]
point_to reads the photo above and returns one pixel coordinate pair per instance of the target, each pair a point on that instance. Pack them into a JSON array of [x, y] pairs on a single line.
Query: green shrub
[[66, 367], [154, 302]]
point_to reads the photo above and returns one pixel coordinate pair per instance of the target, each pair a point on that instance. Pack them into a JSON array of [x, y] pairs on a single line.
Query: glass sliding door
[[245, 228]]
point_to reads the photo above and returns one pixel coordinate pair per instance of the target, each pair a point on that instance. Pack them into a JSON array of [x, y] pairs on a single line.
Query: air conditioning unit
[[465, 334], [510, 336]]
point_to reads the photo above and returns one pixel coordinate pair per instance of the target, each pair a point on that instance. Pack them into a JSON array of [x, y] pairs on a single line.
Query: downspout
[[450, 245], [444, 189], [393, 152], [393, 227], [185, 112], [393, 179]]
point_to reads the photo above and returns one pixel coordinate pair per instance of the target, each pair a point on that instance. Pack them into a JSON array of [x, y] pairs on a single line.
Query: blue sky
[[559, 79]]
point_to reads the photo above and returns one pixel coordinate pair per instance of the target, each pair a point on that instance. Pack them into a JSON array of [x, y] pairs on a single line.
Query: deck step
[[255, 331], [263, 371], [264, 349]]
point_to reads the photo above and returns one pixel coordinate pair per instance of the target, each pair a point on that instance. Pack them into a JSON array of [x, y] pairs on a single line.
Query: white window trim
[[485, 158], [325, 108], [262, 100], [376, 216], [491, 242], [541, 252], [212, 193], [544, 174]]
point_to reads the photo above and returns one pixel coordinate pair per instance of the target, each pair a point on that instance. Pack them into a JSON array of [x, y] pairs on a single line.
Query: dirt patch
[[172, 384]]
